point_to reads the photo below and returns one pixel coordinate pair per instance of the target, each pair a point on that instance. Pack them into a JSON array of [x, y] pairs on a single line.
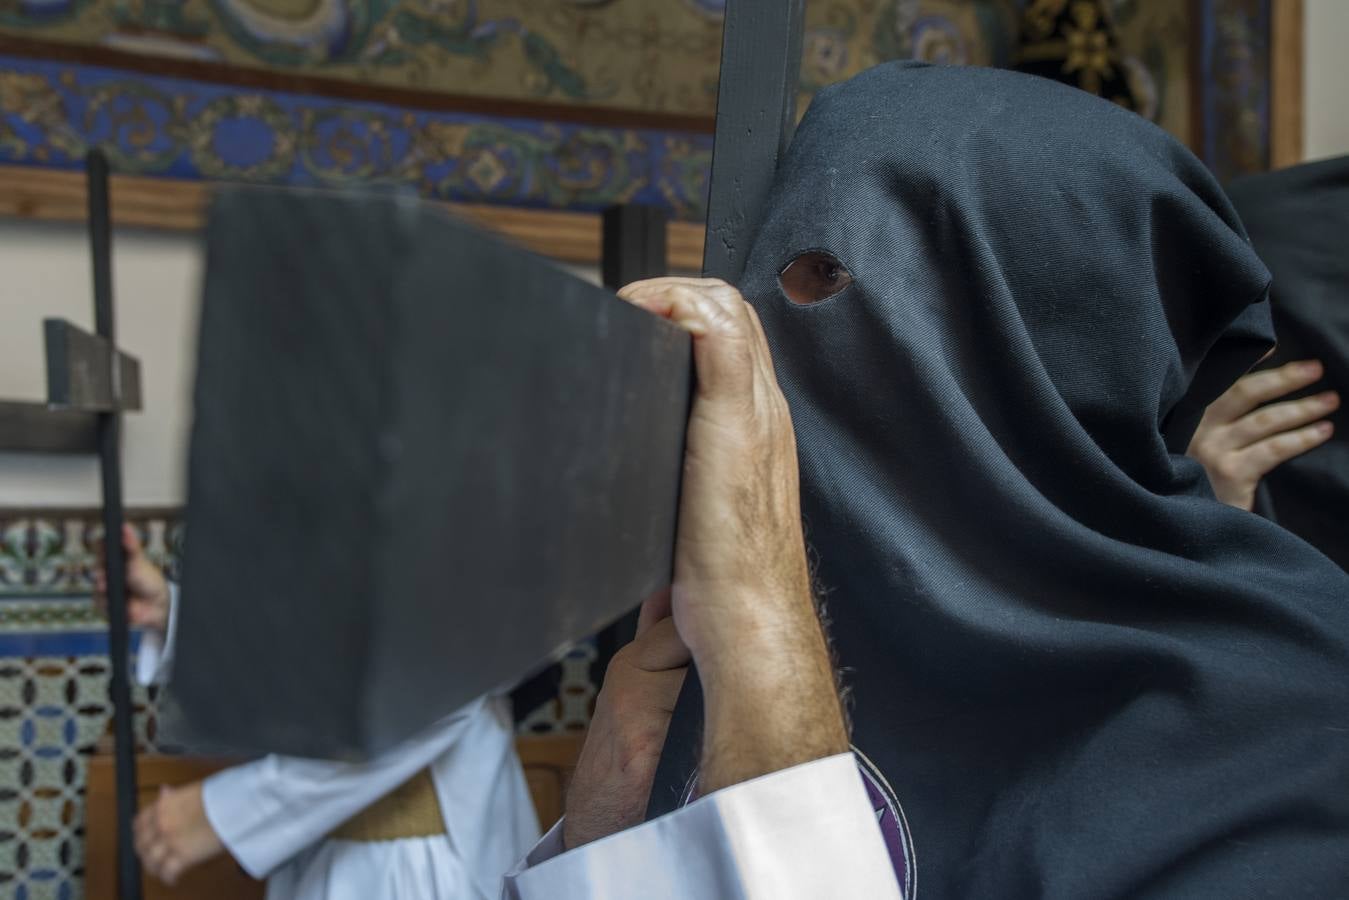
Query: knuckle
[[724, 321], [1307, 407], [1283, 444], [1268, 418], [1307, 438]]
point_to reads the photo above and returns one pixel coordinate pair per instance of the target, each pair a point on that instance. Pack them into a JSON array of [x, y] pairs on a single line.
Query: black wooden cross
[[90, 383]]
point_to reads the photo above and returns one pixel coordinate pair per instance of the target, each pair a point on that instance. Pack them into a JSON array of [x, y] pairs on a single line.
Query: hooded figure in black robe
[[1082, 675], [1298, 220]]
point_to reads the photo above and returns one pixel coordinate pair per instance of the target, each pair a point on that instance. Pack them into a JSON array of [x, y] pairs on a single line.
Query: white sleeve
[[805, 832], [266, 812], [154, 660]]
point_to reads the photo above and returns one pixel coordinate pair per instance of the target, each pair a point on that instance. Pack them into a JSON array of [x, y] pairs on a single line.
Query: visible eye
[[813, 276]]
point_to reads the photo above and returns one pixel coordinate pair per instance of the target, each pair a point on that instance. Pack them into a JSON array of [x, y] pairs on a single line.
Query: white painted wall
[[1326, 78], [44, 271]]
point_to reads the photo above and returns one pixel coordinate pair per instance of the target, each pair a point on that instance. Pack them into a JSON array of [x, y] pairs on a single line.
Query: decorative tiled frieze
[[52, 113], [51, 553]]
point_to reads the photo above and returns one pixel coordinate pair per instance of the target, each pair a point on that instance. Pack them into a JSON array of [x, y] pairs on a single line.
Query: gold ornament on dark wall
[[1075, 42]]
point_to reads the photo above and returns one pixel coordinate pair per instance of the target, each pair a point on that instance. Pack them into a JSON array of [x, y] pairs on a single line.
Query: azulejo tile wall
[[54, 694], [54, 705]]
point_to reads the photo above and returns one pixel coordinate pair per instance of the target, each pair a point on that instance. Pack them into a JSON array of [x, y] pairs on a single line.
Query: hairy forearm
[[771, 701]]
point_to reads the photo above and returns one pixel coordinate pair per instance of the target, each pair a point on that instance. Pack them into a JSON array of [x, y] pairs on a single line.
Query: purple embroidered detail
[[889, 816], [894, 827]]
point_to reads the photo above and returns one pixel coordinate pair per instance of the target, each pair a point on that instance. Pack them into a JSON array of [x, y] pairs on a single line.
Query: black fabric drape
[[1298, 220], [1083, 676]]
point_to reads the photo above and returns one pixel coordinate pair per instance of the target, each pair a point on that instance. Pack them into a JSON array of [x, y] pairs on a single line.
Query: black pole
[[110, 466], [756, 116]]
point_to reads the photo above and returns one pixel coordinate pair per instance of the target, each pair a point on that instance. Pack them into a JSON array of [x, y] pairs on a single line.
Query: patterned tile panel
[[53, 711]]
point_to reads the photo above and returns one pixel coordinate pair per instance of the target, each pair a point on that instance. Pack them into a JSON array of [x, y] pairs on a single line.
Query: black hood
[[1082, 675], [1298, 220]]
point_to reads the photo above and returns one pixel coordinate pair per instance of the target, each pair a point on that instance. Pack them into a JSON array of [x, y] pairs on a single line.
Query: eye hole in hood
[[813, 276]]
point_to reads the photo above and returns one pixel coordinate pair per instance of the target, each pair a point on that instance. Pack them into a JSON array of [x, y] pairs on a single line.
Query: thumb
[[131, 541], [138, 613], [718, 320], [654, 608]]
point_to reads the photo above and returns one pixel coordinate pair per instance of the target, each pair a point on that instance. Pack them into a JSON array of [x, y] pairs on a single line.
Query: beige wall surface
[[156, 284], [1326, 76]]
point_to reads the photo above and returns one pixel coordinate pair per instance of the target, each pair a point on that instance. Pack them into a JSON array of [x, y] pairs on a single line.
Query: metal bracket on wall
[[90, 383]]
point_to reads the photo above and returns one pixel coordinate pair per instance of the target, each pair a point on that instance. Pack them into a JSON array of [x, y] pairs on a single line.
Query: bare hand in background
[[147, 588], [173, 834], [1239, 440]]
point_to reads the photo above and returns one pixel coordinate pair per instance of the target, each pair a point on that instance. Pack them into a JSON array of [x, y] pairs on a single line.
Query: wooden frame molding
[[1287, 93], [31, 192]]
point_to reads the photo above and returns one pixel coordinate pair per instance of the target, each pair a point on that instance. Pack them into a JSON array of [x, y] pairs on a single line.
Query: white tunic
[[806, 833], [274, 814]]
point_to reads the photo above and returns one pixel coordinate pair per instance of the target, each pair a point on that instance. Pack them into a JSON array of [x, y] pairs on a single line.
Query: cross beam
[[86, 375]]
